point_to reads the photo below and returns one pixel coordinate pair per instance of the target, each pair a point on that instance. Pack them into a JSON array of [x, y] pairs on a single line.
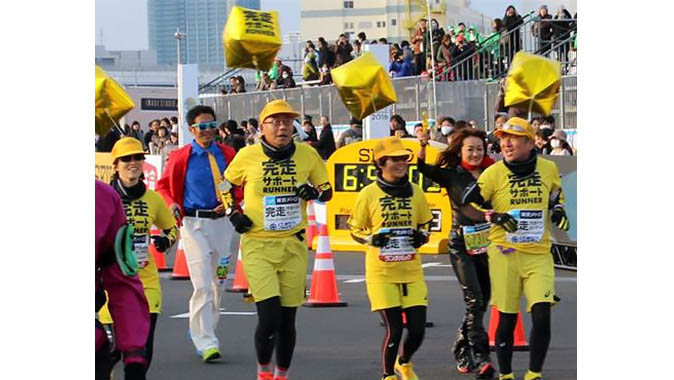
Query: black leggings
[[393, 322], [275, 328], [539, 338], [473, 275]]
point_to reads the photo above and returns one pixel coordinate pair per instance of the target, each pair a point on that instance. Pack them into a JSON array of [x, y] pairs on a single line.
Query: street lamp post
[[178, 36]]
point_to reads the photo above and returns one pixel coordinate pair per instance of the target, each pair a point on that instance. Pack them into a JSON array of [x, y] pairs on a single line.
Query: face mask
[[324, 69], [554, 143], [285, 75], [445, 130]]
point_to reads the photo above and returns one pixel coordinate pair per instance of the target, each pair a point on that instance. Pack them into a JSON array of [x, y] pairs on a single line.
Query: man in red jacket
[[191, 186]]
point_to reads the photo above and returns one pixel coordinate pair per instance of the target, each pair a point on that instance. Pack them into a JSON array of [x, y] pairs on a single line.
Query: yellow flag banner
[[112, 102], [364, 86], [251, 38], [533, 83]]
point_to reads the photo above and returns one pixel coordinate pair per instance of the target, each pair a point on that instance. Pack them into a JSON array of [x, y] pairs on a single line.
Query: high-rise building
[[392, 19], [200, 21]]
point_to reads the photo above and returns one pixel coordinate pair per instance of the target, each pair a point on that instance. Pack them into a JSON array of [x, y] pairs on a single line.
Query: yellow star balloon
[[533, 83], [251, 38], [112, 102], [364, 86]]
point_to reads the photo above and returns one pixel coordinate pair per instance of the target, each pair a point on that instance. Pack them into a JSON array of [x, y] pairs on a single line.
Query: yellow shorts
[[386, 295], [276, 267], [516, 271]]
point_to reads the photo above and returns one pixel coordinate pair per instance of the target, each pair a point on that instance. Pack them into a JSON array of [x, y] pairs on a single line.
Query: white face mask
[[554, 143], [445, 130], [285, 75]]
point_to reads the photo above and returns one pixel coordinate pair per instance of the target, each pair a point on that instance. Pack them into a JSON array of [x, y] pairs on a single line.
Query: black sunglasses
[[133, 157]]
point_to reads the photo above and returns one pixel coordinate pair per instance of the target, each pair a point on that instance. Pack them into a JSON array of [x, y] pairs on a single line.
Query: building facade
[[200, 21], [392, 19]]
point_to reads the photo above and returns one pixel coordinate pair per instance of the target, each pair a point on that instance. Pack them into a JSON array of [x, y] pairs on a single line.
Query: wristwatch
[[229, 211]]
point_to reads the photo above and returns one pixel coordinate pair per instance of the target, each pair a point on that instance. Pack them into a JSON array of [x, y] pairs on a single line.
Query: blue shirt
[[199, 186]]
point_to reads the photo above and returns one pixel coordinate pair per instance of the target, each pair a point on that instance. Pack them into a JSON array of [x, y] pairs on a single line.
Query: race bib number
[[398, 247], [530, 226], [140, 247], [476, 238], [282, 212]]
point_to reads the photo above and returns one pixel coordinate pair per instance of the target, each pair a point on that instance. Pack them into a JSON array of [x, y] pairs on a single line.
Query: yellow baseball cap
[[390, 147], [276, 107], [517, 126], [126, 146]]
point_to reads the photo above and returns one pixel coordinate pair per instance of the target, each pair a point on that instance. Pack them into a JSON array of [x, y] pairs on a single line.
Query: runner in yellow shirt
[[392, 217], [279, 176], [144, 208], [528, 189]]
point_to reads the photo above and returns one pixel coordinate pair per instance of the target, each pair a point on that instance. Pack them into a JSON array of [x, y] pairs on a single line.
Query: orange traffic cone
[[159, 257], [323, 279], [180, 270], [520, 342], [240, 283], [312, 230]]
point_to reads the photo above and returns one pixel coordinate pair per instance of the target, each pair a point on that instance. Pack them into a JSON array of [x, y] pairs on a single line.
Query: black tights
[[275, 328], [116, 356], [539, 338], [393, 322]]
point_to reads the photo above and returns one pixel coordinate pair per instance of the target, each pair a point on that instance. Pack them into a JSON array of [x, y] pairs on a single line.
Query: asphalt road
[[344, 343]]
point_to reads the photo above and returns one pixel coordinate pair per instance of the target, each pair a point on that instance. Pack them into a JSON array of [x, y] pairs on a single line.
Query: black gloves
[[472, 195], [307, 192], [418, 238], [134, 371], [241, 222], [559, 218], [380, 239], [162, 243], [504, 220]]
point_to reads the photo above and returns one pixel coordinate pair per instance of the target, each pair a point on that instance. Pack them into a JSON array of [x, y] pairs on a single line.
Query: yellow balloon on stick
[[364, 86], [112, 102], [251, 38], [533, 83]]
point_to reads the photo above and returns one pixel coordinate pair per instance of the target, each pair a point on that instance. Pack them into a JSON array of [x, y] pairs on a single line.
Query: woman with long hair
[[456, 168]]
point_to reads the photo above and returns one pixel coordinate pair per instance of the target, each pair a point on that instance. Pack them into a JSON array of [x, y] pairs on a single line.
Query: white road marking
[[354, 281], [435, 264], [187, 315]]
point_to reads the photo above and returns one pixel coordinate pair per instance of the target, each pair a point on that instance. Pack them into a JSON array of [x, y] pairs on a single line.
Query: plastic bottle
[[223, 269]]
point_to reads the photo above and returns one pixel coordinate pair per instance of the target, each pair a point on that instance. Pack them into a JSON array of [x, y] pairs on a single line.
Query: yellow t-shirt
[[526, 200], [375, 210], [143, 213], [269, 188]]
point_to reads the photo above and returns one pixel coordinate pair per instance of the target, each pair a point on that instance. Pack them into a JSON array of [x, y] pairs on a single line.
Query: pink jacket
[[126, 299]]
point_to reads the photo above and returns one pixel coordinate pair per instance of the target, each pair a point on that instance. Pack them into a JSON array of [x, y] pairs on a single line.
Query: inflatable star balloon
[[533, 83], [364, 86], [112, 102], [251, 38]]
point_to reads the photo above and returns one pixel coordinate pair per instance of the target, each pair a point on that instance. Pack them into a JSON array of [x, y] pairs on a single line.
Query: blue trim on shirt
[[199, 187]]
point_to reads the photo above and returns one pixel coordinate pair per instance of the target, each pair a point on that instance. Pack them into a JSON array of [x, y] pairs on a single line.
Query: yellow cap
[[390, 147], [276, 107], [517, 126], [126, 146]]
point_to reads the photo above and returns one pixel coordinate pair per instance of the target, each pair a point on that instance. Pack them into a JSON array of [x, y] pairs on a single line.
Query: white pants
[[205, 241]]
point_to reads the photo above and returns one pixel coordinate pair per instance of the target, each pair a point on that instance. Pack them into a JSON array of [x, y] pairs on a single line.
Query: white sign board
[[377, 124], [188, 97]]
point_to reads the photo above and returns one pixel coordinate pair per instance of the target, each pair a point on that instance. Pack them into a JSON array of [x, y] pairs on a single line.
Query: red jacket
[[171, 186]]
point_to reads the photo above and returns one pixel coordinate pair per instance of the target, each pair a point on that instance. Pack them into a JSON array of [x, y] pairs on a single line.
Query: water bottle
[[223, 269]]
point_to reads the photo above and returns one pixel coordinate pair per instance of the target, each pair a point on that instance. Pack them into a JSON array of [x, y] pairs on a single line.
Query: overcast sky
[[122, 24]]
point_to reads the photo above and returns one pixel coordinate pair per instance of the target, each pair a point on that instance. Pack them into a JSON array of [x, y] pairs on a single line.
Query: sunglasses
[[206, 125], [133, 157]]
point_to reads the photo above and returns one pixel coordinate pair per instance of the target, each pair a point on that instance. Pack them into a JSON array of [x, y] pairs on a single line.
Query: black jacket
[[326, 142], [455, 180]]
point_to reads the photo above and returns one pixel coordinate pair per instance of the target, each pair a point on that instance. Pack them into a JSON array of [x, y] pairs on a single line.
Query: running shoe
[[509, 376], [464, 365], [405, 371], [210, 355], [265, 376], [533, 375], [484, 370]]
